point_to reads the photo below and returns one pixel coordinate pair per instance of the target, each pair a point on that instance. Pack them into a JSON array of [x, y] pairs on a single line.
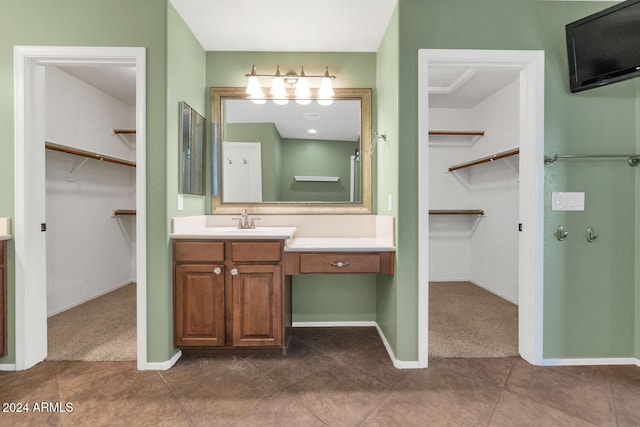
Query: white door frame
[[29, 175], [530, 287]]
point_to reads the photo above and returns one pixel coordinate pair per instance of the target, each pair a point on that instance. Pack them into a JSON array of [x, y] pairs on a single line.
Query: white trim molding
[[531, 204], [592, 361], [167, 364], [30, 244]]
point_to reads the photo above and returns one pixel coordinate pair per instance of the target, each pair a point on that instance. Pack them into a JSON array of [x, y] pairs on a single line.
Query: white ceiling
[[339, 121], [119, 82], [285, 25], [302, 26]]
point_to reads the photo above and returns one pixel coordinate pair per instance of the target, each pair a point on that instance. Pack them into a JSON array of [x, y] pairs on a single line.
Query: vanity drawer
[[199, 251], [252, 251], [339, 262]]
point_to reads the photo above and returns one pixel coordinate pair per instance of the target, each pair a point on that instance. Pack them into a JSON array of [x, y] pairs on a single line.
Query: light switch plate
[[180, 202], [567, 201]]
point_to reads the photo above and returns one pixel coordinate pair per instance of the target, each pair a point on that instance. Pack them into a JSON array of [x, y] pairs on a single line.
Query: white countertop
[[5, 228], [302, 233], [258, 233], [338, 244]]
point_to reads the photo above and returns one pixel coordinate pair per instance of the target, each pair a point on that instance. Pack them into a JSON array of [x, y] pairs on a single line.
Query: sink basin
[[253, 233]]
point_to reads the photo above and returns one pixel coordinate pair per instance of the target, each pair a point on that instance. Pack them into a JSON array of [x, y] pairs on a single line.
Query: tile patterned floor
[[330, 377]]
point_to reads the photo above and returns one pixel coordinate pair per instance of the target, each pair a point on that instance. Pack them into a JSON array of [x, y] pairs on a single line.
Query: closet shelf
[[124, 131], [472, 212], [454, 137], [88, 154], [124, 212], [456, 133], [491, 158]]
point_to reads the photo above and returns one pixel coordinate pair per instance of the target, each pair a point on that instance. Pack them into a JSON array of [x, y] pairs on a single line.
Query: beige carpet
[[103, 329], [468, 321]]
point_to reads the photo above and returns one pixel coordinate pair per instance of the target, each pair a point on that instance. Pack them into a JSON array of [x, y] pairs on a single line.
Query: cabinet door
[[3, 298], [257, 305], [199, 317]]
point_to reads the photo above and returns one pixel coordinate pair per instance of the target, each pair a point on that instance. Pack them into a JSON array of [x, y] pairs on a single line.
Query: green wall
[[314, 296], [92, 23], [386, 169], [589, 288], [186, 76]]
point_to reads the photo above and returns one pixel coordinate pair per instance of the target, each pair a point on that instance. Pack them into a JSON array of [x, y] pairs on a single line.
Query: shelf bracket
[[71, 174]]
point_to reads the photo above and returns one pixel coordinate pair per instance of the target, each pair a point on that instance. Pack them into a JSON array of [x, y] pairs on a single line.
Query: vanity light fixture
[[300, 82]]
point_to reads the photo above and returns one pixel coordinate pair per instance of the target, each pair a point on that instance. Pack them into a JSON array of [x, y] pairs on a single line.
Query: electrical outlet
[[390, 203], [180, 202]]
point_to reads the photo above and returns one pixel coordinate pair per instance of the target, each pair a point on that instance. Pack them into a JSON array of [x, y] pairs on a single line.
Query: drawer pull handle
[[217, 270], [234, 271], [340, 264]]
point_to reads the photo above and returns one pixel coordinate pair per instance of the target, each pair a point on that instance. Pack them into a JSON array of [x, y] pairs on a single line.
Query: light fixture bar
[[289, 76]]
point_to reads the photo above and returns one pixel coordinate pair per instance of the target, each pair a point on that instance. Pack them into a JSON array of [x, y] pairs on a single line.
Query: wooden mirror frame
[[218, 95]]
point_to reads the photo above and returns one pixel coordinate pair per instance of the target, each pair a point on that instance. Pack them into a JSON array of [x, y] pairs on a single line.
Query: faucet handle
[[252, 224], [239, 221]]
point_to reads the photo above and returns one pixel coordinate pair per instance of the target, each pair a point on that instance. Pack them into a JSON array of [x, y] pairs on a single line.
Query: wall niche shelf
[[490, 158], [124, 131], [304, 178], [453, 137]]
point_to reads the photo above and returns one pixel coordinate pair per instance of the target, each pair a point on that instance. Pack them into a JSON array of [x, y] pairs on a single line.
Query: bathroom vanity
[[230, 294], [232, 287]]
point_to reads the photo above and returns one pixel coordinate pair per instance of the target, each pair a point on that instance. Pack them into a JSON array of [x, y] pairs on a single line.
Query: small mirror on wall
[[192, 133]]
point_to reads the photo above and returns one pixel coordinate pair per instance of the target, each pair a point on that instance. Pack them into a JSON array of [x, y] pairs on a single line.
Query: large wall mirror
[[291, 157]]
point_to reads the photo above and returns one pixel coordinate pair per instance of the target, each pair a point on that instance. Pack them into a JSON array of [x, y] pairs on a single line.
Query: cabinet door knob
[[217, 270], [340, 263], [234, 271]]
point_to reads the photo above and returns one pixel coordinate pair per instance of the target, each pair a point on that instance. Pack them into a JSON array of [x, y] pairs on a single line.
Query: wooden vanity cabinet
[[230, 296], [199, 294], [3, 298]]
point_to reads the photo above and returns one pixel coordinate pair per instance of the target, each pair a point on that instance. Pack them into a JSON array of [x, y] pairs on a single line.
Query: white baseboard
[[496, 293], [591, 361], [163, 366], [8, 367], [356, 324], [399, 364], [90, 297]]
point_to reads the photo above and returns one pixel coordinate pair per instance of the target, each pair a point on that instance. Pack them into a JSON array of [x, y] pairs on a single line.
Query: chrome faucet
[[244, 222]]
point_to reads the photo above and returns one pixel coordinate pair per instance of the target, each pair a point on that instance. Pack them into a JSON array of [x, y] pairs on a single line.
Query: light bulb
[[302, 87], [253, 86], [277, 86], [326, 89]]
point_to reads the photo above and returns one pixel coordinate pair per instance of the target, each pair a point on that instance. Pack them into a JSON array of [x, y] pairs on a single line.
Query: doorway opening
[[30, 66], [455, 195], [90, 208]]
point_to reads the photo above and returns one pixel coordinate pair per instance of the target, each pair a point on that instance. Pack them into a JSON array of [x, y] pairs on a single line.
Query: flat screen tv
[[604, 48]]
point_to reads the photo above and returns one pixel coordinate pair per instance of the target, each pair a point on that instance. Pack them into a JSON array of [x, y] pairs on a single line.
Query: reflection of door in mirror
[[242, 179]]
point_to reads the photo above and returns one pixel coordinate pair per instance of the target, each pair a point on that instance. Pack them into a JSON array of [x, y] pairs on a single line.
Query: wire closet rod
[[632, 159]]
